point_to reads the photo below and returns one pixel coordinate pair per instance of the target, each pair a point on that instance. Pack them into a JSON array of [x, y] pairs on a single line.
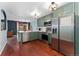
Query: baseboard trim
[[3, 48], [30, 41]]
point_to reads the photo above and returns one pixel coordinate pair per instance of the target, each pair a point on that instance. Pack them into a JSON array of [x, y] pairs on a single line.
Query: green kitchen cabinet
[[76, 10], [39, 35], [49, 38], [40, 23], [33, 35]]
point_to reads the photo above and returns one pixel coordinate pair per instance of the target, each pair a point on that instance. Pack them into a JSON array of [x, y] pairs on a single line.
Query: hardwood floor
[[33, 48], [65, 47]]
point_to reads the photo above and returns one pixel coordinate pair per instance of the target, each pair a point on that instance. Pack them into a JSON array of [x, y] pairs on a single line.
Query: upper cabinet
[[43, 21], [40, 23], [64, 10]]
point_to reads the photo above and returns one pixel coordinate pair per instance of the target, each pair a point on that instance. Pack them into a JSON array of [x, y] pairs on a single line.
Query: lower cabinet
[[39, 35], [27, 36], [23, 36], [33, 35], [49, 38]]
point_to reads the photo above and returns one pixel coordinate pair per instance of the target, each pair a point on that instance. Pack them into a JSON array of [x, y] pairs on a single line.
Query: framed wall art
[[3, 20]]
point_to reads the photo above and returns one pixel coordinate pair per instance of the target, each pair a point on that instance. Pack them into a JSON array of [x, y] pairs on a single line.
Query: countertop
[[29, 31]]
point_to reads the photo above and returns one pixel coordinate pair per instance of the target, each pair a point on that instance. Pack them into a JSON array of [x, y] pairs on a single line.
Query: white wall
[[16, 13], [3, 35]]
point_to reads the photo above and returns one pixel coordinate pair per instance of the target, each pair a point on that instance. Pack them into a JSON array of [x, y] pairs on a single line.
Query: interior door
[[67, 35], [54, 40]]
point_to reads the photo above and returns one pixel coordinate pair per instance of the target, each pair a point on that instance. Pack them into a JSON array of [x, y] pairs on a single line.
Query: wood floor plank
[[33, 48]]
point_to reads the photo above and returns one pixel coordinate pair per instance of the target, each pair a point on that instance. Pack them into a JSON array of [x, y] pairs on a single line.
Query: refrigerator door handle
[[54, 30]]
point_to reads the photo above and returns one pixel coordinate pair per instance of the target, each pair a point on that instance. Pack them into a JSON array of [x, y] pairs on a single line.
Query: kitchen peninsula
[[25, 32]]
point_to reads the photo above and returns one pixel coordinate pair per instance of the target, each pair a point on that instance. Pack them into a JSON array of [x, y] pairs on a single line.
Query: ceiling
[[23, 10]]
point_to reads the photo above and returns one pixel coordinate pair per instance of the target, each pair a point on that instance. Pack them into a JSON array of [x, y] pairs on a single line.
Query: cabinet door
[[26, 37], [39, 35], [33, 35], [19, 37], [67, 35], [40, 22]]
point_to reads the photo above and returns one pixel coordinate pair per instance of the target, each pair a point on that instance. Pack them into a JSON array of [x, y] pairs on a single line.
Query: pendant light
[[53, 6]]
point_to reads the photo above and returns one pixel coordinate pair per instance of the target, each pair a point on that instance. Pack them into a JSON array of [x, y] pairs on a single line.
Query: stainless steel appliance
[[63, 35]]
